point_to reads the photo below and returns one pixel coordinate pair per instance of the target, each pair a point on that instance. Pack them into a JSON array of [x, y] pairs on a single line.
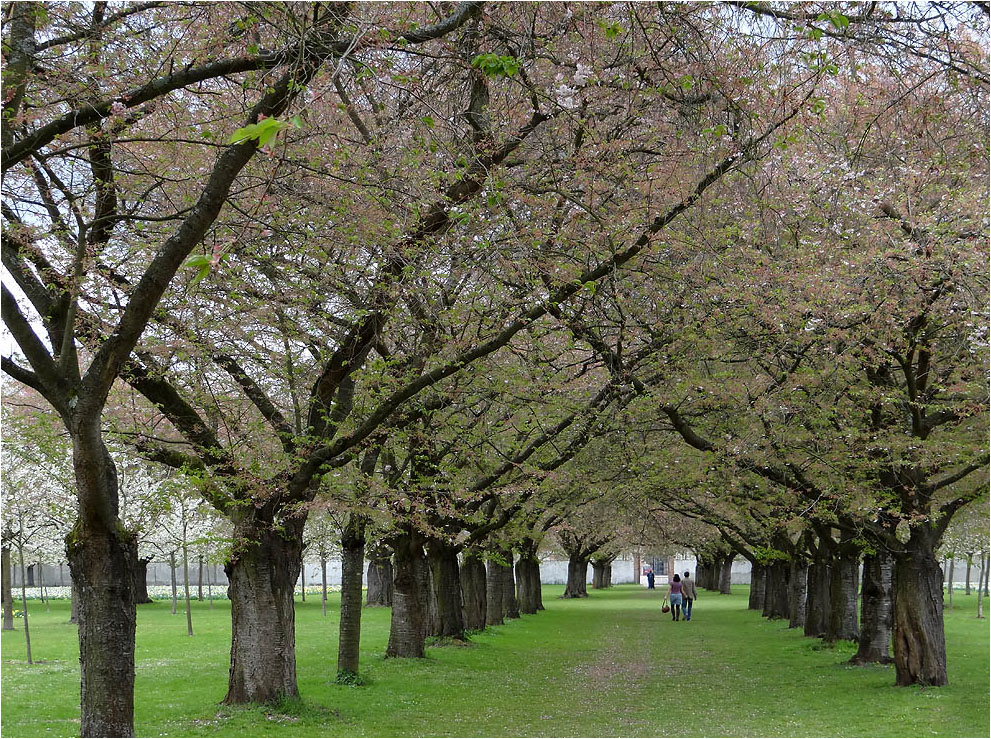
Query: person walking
[[650, 579], [689, 594], [674, 595]]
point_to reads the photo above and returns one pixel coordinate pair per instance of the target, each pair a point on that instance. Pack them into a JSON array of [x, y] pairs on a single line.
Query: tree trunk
[[599, 574], [528, 578], [8, 596], [949, 584], [302, 581], [262, 573], [494, 592], [577, 574], [380, 577], [24, 601], [199, 578], [473, 585], [980, 588], [725, 574], [510, 604], [970, 565], [74, 605], [920, 645], [323, 583], [175, 591], [818, 602], [776, 590], [876, 612], [798, 590], [986, 572], [185, 582], [408, 629], [352, 564], [446, 579], [843, 595], [758, 575], [141, 581], [101, 555]]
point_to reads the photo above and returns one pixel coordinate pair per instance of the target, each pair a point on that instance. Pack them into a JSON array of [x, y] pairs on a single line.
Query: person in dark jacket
[[650, 579]]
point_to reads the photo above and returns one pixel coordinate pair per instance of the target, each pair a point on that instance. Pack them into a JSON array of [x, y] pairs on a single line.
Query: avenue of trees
[[436, 286]]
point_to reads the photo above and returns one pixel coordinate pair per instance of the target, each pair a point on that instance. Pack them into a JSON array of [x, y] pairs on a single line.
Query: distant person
[[674, 595], [689, 593], [650, 579]]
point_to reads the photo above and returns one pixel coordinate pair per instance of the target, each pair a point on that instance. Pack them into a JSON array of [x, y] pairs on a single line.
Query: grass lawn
[[610, 665]]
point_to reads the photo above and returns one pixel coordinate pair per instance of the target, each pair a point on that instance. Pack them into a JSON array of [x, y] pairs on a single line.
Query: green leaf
[[428, 121], [263, 132], [200, 262], [493, 65]]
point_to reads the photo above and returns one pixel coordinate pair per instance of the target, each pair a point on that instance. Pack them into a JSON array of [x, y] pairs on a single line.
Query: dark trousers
[[687, 608]]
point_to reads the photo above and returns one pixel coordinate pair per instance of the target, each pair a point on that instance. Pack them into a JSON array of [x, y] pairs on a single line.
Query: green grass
[[610, 665]]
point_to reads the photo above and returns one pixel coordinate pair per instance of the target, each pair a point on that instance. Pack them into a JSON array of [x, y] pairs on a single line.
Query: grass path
[[609, 665]]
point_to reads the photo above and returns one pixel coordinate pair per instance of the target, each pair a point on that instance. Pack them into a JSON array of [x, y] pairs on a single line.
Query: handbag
[[665, 608]]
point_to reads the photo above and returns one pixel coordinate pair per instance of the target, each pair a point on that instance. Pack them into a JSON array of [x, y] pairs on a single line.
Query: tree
[[128, 93]]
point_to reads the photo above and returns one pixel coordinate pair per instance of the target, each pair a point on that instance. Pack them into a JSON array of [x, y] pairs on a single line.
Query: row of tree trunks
[[821, 596]]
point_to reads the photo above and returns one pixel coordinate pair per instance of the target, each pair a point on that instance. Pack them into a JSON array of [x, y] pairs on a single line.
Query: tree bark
[[510, 604], [776, 590], [101, 556], [8, 595], [920, 645], [528, 578], [446, 578], [185, 584], [577, 574], [141, 581], [599, 574], [818, 602], [758, 576], [199, 578], [798, 589], [970, 565], [949, 583], [843, 595], [352, 564], [473, 585], [323, 583], [876, 614], [494, 592], [74, 606], [380, 577], [262, 572], [175, 587], [725, 574], [408, 629]]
